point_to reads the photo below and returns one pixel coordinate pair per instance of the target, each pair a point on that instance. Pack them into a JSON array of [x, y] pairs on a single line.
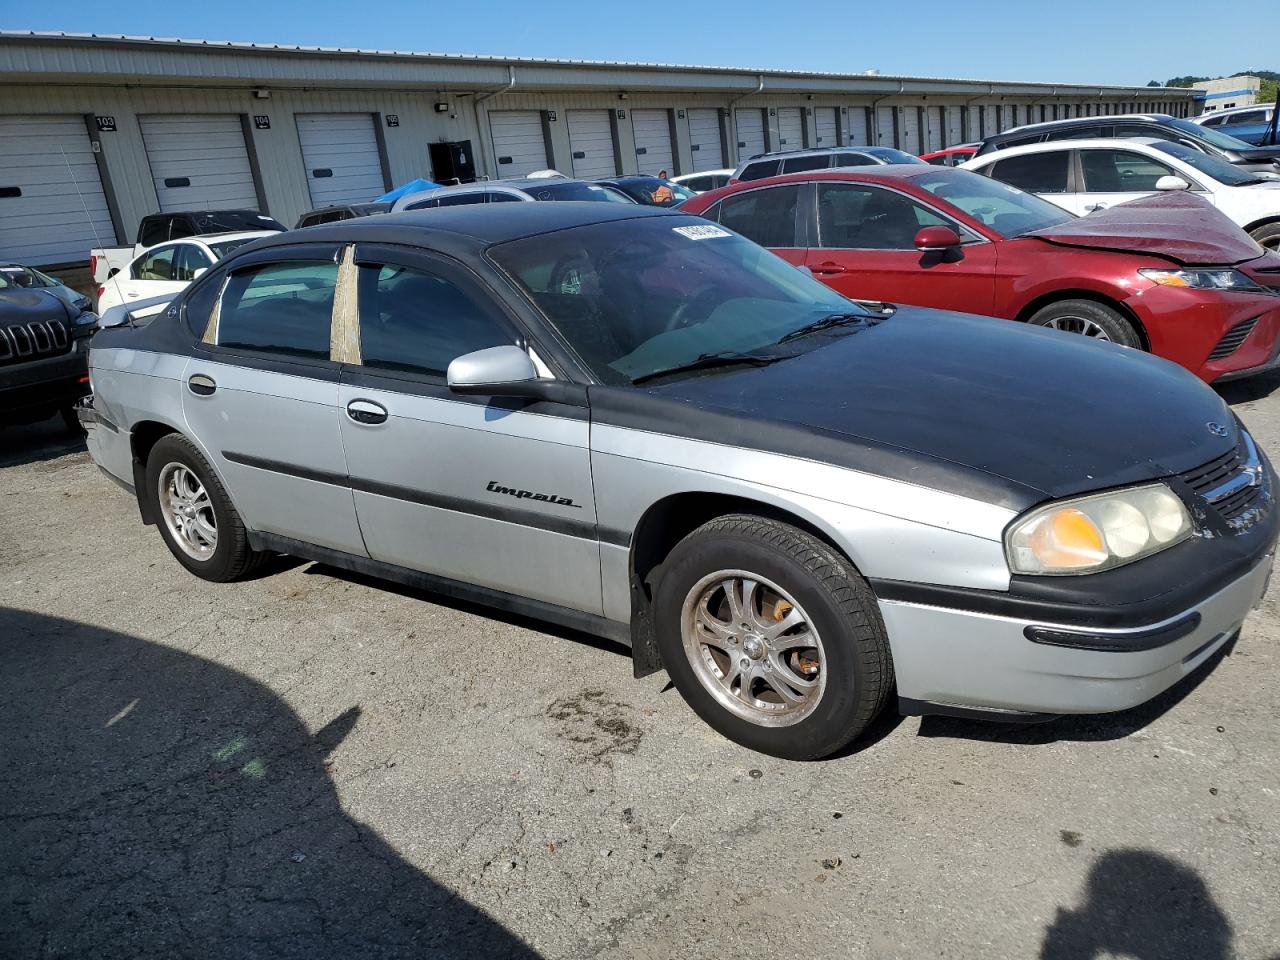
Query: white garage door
[[955, 127], [825, 124], [519, 145], [591, 140], [790, 128], [909, 121], [934, 130], [750, 133], [52, 208], [653, 141], [884, 127], [340, 151], [857, 132], [704, 140], [988, 119], [199, 161]]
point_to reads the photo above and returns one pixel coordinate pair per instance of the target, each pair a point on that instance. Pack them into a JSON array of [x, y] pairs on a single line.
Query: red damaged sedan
[[1166, 273]]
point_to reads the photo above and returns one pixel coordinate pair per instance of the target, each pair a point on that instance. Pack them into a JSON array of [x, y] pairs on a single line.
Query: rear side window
[[460, 199], [1215, 121], [855, 160], [760, 170], [283, 308], [801, 164], [423, 204], [1085, 132], [1247, 116], [1035, 172], [766, 216], [419, 322]]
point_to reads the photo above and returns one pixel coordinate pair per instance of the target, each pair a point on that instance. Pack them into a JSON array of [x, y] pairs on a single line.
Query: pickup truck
[[162, 227]]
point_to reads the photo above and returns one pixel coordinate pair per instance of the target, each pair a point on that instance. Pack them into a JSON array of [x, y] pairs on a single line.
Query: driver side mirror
[[937, 240], [199, 272], [508, 371], [1170, 182]]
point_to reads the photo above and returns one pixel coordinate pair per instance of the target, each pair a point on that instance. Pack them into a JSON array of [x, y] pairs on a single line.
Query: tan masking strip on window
[[344, 336], [211, 328]]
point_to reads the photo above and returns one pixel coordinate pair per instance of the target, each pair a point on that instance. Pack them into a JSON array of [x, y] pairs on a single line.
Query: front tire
[[772, 637], [1267, 236], [196, 517], [1093, 320]]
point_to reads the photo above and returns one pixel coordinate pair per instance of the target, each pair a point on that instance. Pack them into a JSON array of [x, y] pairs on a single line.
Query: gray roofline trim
[[750, 77]]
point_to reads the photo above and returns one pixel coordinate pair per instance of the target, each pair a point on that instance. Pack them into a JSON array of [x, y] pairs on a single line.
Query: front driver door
[[1117, 176], [865, 249], [486, 491]]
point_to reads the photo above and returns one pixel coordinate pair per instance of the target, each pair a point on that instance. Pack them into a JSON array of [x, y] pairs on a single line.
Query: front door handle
[[366, 412], [828, 269], [131, 294], [202, 385]]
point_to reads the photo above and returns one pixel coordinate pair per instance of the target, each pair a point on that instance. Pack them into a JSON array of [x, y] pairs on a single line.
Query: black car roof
[[484, 223]]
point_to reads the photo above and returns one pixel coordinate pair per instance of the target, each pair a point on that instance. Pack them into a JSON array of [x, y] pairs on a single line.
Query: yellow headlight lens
[[1098, 532]]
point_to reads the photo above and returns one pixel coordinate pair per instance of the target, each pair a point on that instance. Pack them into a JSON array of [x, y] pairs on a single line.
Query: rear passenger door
[[261, 394], [486, 491], [1047, 174], [864, 247], [771, 216]]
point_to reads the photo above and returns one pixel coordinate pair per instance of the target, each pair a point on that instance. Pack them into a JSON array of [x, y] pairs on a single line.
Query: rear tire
[[196, 517], [1094, 320], [1268, 236], [747, 608]]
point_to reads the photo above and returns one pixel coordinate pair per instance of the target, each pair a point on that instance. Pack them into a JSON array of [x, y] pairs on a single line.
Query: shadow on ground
[[1143, 905], [1087, 728], [37, 442], [156, 804], [1249, 389]]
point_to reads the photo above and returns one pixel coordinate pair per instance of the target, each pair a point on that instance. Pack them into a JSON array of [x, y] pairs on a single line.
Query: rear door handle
[[202, 385], [366, 412], [1095, 206], [829, 269]]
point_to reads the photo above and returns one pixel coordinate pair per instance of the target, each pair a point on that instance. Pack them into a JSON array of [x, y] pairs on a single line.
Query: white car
[[704, 180], [1087, 175], [167, 268]]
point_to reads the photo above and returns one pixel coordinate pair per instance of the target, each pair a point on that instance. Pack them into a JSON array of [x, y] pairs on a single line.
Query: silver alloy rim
[[753, 648], [188, 511], [1272, 244], [1081, 325]]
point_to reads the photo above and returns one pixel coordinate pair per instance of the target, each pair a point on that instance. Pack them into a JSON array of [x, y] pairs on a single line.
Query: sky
[[1084, 41]]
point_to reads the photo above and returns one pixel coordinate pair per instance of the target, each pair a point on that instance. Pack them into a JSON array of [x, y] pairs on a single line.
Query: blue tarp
[[413, 186]]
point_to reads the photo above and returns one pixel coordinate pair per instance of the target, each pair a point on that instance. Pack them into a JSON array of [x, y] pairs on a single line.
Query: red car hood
[[1176, 226]]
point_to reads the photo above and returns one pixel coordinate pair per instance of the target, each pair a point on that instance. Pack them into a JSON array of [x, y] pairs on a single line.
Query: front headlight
[[1205, 280], [1097, 532]]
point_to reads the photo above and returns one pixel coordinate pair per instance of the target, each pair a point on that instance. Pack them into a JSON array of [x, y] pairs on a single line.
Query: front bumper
[[39, 388], [984, 662]]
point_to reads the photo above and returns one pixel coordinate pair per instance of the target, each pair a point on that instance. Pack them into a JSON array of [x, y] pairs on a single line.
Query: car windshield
[[1216, 137], [19, 276], [1007, 210], [635, 297], [575, 190], [221, 248], [225, 221], [1222, 171], [654, 192], [889, 155]]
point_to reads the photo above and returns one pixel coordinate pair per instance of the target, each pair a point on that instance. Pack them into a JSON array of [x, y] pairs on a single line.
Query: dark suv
[[44, 343], [1157, 125]]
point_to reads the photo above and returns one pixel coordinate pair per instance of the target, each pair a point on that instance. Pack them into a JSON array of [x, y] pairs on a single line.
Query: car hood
[[986, 408], [26, 305], [1175, 226]]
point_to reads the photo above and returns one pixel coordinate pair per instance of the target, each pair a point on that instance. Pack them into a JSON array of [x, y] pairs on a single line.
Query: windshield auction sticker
[[700, 232]]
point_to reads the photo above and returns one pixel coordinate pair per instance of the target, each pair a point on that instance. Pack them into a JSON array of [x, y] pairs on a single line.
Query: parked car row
[[1255, 124]]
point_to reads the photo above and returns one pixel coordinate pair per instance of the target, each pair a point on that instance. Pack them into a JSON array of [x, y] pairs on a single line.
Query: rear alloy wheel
[[1267, 236], [772, 637], [196, 517], [1090, 319]]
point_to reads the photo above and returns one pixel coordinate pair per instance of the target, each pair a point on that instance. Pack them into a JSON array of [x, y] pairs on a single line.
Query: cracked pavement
[[314, 764]]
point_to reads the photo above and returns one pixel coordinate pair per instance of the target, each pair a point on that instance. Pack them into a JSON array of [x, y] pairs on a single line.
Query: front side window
[[457, 200], [423, 204], [283, 308], [156, 265], [766, 216], [419, 322], [1221, 170], [1120, 171], [187, 261], [221, 248], [636, 297], [576, 190], [856, 217], [1086, 131], [1007, 210], [1245, 116], [1035, 172]]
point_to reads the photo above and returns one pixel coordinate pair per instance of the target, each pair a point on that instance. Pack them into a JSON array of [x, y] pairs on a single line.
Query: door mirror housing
[[1170, 182], [508, 371], [936, 239]]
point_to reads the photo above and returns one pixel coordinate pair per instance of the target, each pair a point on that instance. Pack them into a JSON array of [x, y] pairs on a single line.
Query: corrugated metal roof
[[418, 56]]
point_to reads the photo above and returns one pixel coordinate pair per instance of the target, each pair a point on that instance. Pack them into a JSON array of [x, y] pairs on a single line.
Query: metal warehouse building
[[98, 131]]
